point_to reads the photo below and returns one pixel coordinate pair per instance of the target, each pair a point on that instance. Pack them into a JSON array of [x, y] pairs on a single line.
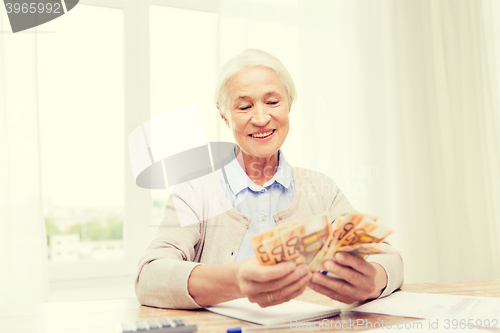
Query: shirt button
[[263, 218], [262, 191]]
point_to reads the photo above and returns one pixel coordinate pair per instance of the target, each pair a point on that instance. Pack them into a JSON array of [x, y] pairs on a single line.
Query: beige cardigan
[[216, 231]]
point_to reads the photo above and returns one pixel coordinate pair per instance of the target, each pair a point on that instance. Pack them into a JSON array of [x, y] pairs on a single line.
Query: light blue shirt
[[257, 202]]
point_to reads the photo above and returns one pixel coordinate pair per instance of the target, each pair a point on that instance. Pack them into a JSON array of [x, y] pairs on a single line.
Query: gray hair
[[251, 58]]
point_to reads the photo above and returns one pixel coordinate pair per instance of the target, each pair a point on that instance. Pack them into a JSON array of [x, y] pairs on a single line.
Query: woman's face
[[258, 109]]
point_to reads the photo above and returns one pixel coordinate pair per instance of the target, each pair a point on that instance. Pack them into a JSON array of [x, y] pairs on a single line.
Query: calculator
[[162, 325]]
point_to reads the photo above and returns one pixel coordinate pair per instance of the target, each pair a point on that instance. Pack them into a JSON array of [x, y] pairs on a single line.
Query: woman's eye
[[272, 102], [245, 107]]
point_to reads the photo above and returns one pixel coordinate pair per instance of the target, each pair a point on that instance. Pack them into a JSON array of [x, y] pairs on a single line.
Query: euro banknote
[[314, 240]]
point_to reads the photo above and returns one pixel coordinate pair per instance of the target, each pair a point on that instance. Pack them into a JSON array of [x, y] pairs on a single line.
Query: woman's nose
[[261, 116]]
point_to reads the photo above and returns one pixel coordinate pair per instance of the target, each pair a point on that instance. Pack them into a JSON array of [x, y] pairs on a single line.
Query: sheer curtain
[[448, 152], [398, 103], [23, 253]]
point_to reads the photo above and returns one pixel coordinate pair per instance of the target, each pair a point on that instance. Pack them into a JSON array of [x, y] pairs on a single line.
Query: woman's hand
[[359, 279], [272, 285]]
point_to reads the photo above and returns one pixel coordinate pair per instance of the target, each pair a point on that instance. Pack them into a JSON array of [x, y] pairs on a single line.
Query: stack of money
[[314, 240]]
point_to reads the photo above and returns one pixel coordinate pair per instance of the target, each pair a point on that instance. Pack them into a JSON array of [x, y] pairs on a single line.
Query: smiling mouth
[[262, 135]]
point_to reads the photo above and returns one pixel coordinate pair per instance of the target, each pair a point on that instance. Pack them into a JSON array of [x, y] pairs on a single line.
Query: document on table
[[417, 305], [290, 312]]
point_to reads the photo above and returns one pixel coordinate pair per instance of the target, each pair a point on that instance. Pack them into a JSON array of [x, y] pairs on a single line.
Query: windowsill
[[110, 288]]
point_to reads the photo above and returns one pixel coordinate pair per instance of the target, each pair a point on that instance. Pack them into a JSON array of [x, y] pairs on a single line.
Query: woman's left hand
[[359, 279]]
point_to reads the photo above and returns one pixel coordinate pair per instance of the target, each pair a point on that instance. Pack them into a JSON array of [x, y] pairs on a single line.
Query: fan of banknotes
[[316, 239]]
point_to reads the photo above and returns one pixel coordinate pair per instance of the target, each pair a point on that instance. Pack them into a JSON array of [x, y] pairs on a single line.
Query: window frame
[[137, 201]]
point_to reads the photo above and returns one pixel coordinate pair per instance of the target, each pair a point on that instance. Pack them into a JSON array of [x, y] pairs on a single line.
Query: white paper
[[419, 305], [292, 312]]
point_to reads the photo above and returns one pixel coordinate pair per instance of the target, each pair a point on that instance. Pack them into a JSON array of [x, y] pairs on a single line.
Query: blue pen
[[256, 328]]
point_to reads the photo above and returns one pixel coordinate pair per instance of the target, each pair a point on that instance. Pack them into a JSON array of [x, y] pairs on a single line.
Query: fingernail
[[339, 256], [316, 278], [305, 270]]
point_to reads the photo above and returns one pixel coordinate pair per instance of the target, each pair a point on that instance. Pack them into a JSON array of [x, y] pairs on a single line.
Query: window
[[98, 86], [183, 68], [81, 107]]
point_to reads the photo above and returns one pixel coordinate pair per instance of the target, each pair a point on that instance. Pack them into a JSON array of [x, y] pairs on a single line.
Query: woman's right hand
[[272, 285]]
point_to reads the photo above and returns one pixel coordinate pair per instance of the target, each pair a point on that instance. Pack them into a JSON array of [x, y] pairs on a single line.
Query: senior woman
[[212, 261]]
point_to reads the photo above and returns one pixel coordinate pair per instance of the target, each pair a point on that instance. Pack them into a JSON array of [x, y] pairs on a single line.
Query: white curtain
[[398, 103], [23, 249], [448, 148]]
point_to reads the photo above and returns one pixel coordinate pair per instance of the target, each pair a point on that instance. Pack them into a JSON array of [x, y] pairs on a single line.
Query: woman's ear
[[223, 117], [225, 120]]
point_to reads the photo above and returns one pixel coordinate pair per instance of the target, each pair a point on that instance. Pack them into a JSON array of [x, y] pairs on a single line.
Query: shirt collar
[[238, 179], [284, 173]]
